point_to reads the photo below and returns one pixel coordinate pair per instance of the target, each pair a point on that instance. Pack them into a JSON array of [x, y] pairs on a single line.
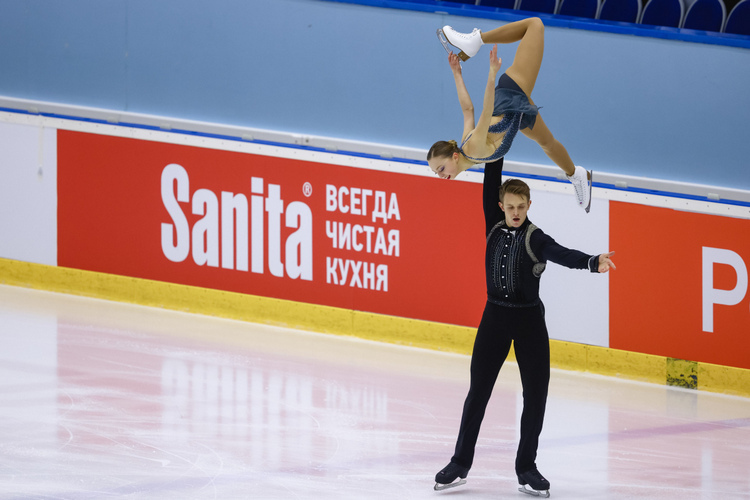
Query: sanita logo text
[[231, 230]]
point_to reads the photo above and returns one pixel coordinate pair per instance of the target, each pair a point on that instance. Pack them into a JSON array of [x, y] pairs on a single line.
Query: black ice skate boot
[[533, 483], [451, 476]]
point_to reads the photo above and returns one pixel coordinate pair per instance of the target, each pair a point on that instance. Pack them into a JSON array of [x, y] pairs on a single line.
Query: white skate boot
[[467, 43], [582, 181]]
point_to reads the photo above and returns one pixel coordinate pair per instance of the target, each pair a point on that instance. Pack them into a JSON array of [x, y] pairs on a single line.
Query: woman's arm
[[467, 107], [488, 105]]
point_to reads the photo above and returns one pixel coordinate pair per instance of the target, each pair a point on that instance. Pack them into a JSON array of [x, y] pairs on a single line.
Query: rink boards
[[364, 245]]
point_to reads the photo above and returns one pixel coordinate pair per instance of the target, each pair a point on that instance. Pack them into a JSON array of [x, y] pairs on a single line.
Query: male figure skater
[[516, 254]]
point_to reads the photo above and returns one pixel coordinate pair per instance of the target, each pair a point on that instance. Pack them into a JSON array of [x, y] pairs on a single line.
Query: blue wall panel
[[659, 108]]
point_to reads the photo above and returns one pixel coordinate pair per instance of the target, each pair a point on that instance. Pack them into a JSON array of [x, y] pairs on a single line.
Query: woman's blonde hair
[[442, 149]]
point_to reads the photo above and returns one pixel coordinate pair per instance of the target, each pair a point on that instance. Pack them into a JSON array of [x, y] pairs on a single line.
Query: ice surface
[[104, 400]]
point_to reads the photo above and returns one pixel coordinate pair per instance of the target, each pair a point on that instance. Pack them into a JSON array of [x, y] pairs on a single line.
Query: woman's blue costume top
[[518, 113]]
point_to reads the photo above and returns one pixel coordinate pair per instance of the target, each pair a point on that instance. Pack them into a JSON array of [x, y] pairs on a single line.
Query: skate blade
[[444, 41], [533, 492], [591, 184], [441, 487], [446, 45]]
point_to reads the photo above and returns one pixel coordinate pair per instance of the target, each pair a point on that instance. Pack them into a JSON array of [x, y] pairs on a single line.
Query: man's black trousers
[[501, 325]]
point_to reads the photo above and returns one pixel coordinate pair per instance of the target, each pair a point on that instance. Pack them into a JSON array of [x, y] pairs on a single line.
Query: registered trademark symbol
[[307, 189]]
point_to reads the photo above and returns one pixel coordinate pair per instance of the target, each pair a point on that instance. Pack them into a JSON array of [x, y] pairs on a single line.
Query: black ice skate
[[451, 476], [533, 483]]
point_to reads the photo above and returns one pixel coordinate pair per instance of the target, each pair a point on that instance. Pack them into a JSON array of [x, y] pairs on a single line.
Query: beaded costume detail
[[510, 124]]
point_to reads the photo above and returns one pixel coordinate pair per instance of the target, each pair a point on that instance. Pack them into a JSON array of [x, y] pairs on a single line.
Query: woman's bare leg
[[578, 176], [551, 146], [528, 59]]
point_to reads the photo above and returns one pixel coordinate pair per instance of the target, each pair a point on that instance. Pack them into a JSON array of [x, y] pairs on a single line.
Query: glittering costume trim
[[510, 124]]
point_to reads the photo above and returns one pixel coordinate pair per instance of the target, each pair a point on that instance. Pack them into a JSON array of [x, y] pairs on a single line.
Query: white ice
[[102, 400]]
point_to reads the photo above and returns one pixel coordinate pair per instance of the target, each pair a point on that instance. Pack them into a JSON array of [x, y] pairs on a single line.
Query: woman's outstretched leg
[[577, 175], [511, 32], [528, 59], [551, 146]]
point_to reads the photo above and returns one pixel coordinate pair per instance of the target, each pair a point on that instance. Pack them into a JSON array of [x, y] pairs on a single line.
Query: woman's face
[[446, 167]]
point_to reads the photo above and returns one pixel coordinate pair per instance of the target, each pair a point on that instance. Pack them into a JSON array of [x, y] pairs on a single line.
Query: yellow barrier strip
[[369, 326]]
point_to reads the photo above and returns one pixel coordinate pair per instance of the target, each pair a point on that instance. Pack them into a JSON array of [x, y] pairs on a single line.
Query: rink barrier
[[364, 325]]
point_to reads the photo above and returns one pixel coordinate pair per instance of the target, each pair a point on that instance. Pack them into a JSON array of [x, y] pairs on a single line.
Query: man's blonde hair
[[515, 186]]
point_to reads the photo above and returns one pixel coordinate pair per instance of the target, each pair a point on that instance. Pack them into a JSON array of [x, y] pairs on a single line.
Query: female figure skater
[[507, 107]]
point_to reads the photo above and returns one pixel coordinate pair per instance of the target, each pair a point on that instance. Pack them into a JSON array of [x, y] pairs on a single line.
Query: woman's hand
[[605, 263], [495, 62], [455, 63]]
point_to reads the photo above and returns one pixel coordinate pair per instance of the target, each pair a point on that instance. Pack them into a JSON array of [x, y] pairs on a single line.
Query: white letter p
[[712, 295]]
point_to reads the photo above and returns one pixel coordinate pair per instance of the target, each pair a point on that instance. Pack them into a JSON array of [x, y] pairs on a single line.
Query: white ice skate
[[582, 182], [533, 483], [467, 43], [451, 476]]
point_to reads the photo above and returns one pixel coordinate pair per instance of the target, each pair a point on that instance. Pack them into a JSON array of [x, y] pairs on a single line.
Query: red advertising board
[[354, 238], [681, 286]]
